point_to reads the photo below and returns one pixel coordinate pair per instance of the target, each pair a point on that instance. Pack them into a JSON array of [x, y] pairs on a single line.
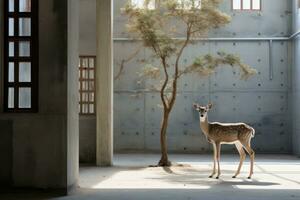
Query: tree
[[156, 28]]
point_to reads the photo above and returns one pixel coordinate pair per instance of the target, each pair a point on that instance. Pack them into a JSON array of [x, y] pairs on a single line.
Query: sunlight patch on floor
[[134, 173]]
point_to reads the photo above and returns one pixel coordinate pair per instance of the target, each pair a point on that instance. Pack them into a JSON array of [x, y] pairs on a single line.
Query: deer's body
[[217, 133]]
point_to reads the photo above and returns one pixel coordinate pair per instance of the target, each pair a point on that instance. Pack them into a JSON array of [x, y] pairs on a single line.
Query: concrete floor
[[276, 177]]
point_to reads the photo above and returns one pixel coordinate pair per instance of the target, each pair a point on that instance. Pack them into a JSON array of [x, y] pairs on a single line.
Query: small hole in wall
[[281, 124], [152, 133], [184, 148]]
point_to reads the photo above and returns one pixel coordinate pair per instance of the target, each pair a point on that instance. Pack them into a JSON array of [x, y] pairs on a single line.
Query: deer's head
[[203, 110]]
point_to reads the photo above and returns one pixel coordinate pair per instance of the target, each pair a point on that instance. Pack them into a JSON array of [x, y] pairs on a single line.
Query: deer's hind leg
[[215, 160], [250, 151], [242, 153]]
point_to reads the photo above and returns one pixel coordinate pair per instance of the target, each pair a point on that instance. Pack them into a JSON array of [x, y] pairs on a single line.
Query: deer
[[239, 134]]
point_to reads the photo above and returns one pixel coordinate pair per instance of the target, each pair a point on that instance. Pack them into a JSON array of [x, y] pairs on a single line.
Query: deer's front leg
[[218, 149], [215, 160]]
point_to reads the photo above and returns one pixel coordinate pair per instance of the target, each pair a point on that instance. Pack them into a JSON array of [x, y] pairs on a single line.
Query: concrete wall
[[296, 79], [137, 117], [43, 143]]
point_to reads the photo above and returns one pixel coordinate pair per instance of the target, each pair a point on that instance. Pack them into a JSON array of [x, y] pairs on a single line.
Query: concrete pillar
[[104, 83], [1, 54]]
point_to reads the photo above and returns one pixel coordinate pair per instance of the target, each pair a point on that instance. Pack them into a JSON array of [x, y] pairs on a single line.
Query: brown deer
[[217, 133]]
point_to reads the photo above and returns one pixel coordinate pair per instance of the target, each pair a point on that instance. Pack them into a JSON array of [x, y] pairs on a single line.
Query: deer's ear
[[195, 105], [210, 105]]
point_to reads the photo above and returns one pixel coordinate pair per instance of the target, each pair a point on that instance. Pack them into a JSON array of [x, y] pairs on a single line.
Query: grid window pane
[[91, 85], [11, 72], [11, 97], [91, 97], [11, 27], [25, 6], [91, 74], [24, 97], [91, 108], [11, 49], [20, 65], [87, 84], [24, 49], [11, 5], [24, 27], [25, 72], [91, 63], [256, 4]]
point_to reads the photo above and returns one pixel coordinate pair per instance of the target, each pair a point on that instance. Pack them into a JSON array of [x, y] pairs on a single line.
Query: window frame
[[81, 68], [16, 59], [251, 6]]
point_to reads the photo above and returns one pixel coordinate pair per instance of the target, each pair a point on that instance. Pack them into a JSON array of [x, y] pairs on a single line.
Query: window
[[87, 85], [20, 56], [246, 4], [150, 4]]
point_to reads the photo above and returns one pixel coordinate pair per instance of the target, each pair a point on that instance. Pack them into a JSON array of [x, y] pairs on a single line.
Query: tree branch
[[174, 88]]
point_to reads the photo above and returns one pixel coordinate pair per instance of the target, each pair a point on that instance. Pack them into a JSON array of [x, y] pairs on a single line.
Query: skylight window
[[246, 4]]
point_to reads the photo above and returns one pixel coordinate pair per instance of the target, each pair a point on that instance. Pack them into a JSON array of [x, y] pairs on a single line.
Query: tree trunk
[[164, 161]]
